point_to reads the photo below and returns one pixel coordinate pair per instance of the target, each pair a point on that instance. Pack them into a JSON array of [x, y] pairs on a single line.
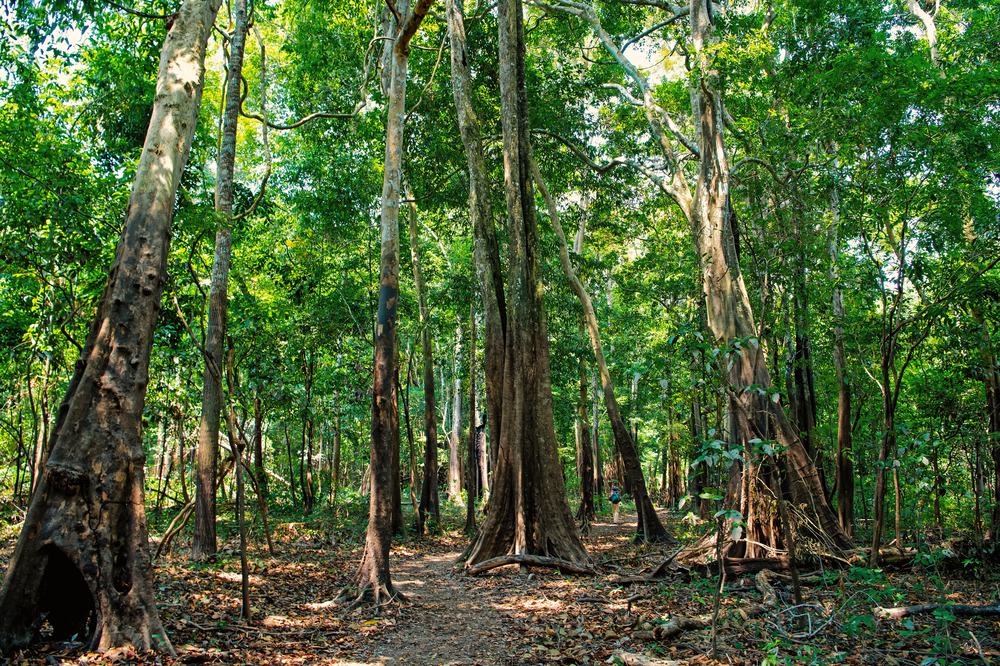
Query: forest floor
[[506, 617]]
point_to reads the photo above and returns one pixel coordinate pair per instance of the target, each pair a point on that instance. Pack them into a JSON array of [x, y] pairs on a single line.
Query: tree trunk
[[373, 575], [991, 387], [161, 463], [414, 474], [181, 456], [258, 447], [337, 438], [472, 468], [82, 555], [291, 468], [730, 317], [529, 513], [455, 439], [430, 506], [649, 527], [398, 528], [204, 540], [486, 251], [845, 453], [586, 514]]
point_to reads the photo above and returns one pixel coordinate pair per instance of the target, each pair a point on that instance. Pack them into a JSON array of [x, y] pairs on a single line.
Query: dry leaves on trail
[[543, 617]]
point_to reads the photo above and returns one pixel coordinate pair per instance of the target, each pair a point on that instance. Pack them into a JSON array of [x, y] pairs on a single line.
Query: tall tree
[[430, 506], [486, 252], [529, 513], [706, 205], [204, 541], [373, 575], [649, 528], [82, 559]]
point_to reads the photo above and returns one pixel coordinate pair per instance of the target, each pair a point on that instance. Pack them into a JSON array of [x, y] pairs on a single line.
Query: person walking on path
[[616, 500]]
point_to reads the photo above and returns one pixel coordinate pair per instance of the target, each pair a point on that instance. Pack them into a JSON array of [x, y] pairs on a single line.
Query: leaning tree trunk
[[204, 540], [649, 528], [82, 558], [529, 513], [430, 505], [486, 252], [373, 575]]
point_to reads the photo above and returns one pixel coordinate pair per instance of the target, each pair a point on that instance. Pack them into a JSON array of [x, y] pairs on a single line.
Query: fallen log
[[632, 659], [679, 625], [956, 609], [532, 561]]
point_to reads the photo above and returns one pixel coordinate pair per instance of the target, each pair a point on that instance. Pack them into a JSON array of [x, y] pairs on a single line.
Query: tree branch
[[138, 13], [582, 155]]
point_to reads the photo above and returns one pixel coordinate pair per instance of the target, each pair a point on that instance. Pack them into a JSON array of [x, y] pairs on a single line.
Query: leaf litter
[[506, 617]]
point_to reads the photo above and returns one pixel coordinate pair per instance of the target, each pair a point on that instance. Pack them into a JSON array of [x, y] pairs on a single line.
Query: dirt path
[[447, 621]]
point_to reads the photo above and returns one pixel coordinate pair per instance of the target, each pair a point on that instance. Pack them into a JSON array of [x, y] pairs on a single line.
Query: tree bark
[[398, 527], [529, 513], [373, 575], [430, 507], [586, 514], [337, 439], [455, 439], [414, 473], [204, 543], [845, 452], [82, 555], [258, 447], [472, 468], [649, 528], [486, 249]]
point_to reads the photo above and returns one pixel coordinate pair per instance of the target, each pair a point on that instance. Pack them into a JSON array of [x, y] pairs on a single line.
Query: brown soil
[[447, 621]]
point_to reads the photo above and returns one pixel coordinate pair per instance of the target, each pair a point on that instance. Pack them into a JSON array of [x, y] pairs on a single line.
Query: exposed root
[[372, 594], [679, 625], [533, 561]]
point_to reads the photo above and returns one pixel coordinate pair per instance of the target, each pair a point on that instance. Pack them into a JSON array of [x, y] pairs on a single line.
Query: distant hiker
[[616, 499]]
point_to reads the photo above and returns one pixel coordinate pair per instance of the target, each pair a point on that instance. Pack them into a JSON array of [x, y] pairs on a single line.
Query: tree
[[82, 556], [204, 543], [706, 205], [373, 574], [649, 527], [529, 513], [487, 252], [430, 506]]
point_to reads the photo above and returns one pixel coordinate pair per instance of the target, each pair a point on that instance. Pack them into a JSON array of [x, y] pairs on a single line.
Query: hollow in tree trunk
[[82, 558]]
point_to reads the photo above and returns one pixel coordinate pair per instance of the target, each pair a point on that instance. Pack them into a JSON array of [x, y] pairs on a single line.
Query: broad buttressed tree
[[704, 199], [529, 512], [82, 557]]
